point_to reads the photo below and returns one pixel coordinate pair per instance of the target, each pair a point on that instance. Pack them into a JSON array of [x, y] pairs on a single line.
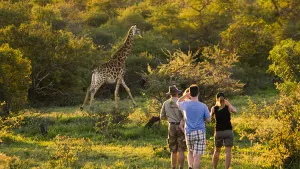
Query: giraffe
[[113, 71]]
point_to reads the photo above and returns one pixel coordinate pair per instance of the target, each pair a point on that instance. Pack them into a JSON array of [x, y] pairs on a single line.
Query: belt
[[176, 123]]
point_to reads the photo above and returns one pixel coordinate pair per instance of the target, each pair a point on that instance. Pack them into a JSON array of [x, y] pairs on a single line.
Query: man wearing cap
[[195, 114], [176, 139]]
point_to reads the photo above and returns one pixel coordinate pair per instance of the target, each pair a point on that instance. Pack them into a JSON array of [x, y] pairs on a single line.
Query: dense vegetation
[[64, 40], [48, 49]]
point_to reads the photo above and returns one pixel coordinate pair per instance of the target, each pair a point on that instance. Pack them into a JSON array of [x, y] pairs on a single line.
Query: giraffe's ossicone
[[113, 71]]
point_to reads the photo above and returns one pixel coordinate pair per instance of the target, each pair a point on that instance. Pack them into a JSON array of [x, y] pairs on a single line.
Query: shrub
[[96, 19], [13, 162], [108, 118], [68, 151], [211, 73], [15, 79], [277, 127], [285, 59]]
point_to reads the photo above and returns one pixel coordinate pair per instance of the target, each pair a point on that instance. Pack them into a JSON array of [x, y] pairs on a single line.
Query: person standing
[[195, 115], [176, 138], [223, 129]]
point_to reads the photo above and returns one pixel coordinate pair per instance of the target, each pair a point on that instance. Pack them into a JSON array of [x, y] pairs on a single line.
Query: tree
[[212, 74], [251, 40], [285, 59], [15, 79], [60, 61], [13, 14]]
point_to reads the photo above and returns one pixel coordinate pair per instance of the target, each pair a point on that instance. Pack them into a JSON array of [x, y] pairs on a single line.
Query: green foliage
[[284, 15], [51, 32], [277, 126], [53, 60], [10, 123], [133, 16], [102, 37], [13, 14], [13, 162], [96, 19], [69, 151], [285, 59], [255, 43], [211, 75], [15, 72], [75, 144], [48, 15], [109, 119], [145, 44]]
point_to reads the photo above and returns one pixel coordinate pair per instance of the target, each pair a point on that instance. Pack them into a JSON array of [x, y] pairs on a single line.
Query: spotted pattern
[[113, 71]]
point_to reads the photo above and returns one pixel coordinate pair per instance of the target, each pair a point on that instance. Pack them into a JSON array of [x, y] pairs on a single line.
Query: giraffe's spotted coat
[[113, 71]]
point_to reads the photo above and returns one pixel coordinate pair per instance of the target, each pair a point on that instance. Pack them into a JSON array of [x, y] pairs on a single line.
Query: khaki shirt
[[171, 111]]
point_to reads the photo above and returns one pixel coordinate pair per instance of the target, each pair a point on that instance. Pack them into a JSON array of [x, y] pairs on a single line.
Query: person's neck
[[194, 98], [176, 97]]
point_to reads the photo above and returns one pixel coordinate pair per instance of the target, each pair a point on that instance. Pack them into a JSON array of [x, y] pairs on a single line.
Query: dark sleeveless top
[[222, 119]]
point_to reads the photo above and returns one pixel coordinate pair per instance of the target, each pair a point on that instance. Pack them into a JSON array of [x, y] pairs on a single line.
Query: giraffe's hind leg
[[94, 91], [86, 98], [128, 91], [117, 91]]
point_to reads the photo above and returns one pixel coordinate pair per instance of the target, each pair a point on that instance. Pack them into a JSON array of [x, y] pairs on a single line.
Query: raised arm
[[231, 108], [186, 95]]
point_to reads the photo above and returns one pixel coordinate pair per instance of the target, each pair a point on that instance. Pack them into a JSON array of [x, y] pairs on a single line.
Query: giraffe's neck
[[125, 49]]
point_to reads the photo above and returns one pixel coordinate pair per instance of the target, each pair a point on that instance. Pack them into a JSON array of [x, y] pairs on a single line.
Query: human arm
[[231, 108], [185, 96], [212, 111], [207, 116], [208, 119]]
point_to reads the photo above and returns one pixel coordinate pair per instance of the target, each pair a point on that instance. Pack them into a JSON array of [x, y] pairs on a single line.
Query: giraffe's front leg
[[117, 91]]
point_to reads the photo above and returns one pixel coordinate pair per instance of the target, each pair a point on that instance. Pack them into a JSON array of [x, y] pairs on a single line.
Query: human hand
[[187, 93], [227, 102]]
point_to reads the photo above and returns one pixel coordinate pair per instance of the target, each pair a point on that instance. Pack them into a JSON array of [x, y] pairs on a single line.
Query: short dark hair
[[194, 90]]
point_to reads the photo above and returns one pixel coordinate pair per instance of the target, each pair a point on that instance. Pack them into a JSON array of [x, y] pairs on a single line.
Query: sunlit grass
[[130, 146]]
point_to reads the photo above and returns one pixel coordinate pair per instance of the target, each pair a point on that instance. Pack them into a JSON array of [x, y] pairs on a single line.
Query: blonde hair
[[220, 101]]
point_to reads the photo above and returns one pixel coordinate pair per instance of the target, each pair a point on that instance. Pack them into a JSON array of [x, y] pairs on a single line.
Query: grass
[[259, 97], [127, 146]]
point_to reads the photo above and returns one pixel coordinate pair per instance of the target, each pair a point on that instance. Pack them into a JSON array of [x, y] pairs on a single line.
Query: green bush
[[108, 118], [277, 127], [15, 70], [69, 150], [96, 19], [285, 59], [212, 74]]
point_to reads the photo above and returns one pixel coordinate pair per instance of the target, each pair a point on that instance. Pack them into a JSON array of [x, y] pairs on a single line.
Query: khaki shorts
[[224, 138], [176, 139]]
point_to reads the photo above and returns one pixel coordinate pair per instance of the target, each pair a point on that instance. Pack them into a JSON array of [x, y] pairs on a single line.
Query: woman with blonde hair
[[223, 129]]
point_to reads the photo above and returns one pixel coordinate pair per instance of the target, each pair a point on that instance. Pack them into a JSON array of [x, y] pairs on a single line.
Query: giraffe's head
[[135, 30]]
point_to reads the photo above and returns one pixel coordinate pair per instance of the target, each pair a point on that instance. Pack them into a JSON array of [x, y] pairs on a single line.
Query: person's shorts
[[176, 139], [224, 138], [196, 142]]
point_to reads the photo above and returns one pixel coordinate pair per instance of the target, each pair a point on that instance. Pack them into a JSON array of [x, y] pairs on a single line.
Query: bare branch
[[41, 79], [204, 5]]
